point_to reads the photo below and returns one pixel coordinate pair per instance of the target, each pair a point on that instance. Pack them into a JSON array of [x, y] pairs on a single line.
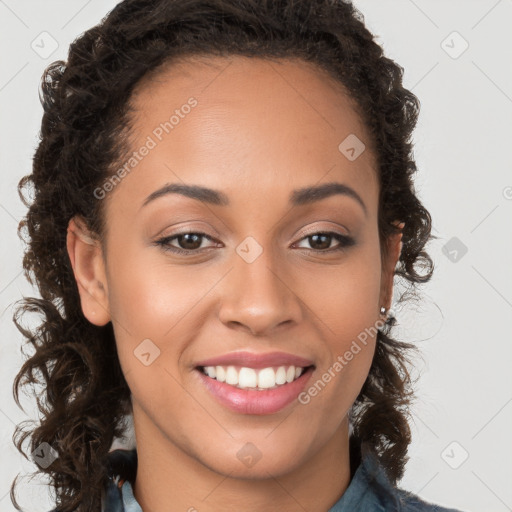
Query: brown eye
[[188, 243], [321, 241]]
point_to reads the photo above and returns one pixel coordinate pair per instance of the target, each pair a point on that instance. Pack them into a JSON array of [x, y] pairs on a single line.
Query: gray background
[[462, 450]]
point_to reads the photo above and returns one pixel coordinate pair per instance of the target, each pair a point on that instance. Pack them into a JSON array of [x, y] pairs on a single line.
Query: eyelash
[[344, 242]]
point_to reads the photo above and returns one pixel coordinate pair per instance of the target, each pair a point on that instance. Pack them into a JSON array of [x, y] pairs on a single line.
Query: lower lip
[[252, 401]]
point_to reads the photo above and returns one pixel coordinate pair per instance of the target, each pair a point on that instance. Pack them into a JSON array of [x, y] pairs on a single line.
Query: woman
[[223, 195]]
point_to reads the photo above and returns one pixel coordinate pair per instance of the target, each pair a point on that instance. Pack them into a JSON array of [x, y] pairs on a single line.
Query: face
[[270, 275]]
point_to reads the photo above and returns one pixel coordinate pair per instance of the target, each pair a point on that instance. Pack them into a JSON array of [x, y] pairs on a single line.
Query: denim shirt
[[370, 489]]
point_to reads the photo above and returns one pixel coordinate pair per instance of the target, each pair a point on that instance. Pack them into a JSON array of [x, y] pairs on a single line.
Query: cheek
[[150, 308], [348, 315], [149, 298], [346, 301], [150, 301], [346, 297]]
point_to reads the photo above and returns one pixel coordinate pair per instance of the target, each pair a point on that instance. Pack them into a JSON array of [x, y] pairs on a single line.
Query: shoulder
[[387, 495], [412, 503]]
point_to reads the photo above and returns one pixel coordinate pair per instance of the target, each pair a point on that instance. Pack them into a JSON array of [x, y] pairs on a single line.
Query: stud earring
[[382, 322]]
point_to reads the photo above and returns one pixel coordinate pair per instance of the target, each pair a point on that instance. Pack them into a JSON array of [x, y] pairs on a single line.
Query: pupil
[[195, 242], [324, 236]]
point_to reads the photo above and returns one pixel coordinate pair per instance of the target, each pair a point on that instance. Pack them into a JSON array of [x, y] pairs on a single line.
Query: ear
[[87, 261], [389, 262]]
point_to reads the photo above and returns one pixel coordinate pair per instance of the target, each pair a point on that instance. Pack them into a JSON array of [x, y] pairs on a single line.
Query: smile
[[254, 399], [252, 378]]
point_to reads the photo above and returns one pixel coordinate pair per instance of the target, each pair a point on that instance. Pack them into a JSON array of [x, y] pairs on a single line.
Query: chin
[[249, 463]]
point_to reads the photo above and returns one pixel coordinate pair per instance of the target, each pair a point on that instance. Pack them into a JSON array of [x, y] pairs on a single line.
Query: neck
[[170, 480]]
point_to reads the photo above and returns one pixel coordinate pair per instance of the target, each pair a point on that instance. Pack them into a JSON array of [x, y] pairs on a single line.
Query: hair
[[84, 398]]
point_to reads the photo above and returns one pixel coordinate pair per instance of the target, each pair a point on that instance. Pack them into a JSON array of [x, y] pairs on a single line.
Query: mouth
[[256, 391], [254, 383], [259, 379]]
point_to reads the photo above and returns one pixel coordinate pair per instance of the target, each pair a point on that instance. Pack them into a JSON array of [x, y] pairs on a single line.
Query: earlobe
[[85, 254]]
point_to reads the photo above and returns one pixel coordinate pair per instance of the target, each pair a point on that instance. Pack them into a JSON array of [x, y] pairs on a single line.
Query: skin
[[260, 130]]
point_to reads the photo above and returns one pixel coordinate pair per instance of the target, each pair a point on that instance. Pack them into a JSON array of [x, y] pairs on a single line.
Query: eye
[[321, 241], [189, 242]]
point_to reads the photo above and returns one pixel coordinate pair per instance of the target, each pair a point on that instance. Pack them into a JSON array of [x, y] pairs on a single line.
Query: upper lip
[[254, 360]]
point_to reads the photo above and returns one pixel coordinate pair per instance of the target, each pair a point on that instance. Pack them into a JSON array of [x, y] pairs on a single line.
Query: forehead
[[262, 124]]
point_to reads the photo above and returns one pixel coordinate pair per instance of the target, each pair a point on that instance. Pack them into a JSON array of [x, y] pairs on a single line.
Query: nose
[[259, 297]]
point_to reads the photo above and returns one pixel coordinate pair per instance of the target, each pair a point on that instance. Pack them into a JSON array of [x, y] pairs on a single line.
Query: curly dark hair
[[84, 398]]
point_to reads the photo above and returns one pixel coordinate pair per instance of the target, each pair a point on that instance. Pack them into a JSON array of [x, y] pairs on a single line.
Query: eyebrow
[[298, 197]]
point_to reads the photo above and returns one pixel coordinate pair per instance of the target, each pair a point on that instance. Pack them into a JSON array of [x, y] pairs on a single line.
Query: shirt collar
[[370, 488]]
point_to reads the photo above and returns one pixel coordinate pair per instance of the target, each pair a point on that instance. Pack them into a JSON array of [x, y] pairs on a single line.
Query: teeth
[[231, 376], [266, 378], [281, 375], [221, 373], [244, 377], [247, 378]]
